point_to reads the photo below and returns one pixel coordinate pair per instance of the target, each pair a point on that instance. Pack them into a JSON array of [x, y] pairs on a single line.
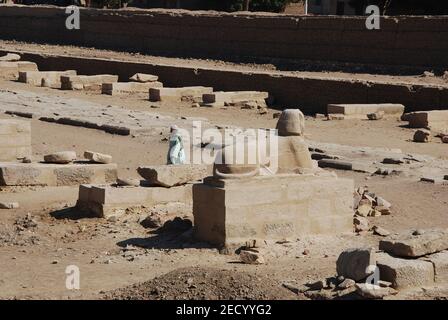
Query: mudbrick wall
[[409, 41], [310, 94]]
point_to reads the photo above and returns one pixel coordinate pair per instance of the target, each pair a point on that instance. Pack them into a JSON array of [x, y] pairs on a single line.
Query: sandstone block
[[222, 98], [48, 78], [15, 139], [353, 263], [60, 157], [97, 157], [434, 120], [123, 88], [9, 205], [94, 83], [49, 174], [405, 273], [10, 70], [178, 94], [251, 257], [440, 263], [416, 244], [143, 77], [279, 207], [174, 175], [360, 111]]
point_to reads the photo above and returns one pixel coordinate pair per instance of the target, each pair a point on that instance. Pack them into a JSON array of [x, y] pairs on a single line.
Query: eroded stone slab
[[10, 57], [416, 243], [123, 88], [222, 98], [174, 175], [46, 174], [361, 111], [15, 139], [44, 78], [178, 94], [98, 157], [61, 157], [232, 212], [144, 77], [90, 83], [107, 200], [405, 273]]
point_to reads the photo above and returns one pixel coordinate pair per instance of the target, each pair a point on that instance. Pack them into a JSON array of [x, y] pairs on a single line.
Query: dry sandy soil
[[39, 240]]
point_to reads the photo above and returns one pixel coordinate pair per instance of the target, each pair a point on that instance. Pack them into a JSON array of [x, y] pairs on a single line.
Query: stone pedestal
[[232, 212]]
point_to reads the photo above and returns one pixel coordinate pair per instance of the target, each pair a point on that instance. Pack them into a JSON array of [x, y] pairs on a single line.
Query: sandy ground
[[39, 240]]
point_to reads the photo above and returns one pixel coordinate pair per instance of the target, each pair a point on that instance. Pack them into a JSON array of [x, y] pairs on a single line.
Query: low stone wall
[[310, 94], [411, 41], [233, 212]]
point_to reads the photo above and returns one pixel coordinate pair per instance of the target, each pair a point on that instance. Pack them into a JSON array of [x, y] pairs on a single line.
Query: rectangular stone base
[[360, 111], [123, 88], [234, 211], [90, 83], [178, 94], [435, 120], [15, 139], [47, 174], [9, 70], [106, 201], [46, 78]]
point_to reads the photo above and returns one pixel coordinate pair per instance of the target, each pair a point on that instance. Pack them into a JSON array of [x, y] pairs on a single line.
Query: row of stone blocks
[[109, 200], [15, 139], [230, 212]]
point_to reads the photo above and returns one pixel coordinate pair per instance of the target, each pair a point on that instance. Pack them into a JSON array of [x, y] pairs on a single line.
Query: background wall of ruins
[[413, 41]]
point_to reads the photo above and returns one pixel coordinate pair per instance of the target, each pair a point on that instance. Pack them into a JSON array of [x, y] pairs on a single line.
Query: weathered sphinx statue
[[290, 156]]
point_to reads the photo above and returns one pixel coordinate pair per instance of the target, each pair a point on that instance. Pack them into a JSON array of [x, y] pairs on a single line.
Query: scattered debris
[[251, 257]]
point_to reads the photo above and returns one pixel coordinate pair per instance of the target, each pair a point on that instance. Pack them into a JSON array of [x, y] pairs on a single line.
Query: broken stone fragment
[[143, 77], [380, 231], [97, 157], [62, 157], [364, 210], [376, 115], [422, 135], [335, 116], [152, 221], [9, 205], [381, 202], [371, 291], [128, 182], [316, 285], [251, 257], [445, 139], [408, 244], [354, 263], [361, 224], [174, 175], [347, 283], [405, 273]]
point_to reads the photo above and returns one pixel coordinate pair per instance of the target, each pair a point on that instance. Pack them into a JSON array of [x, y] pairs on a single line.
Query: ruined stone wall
[[415, 41], [311, 95], [15, 140]]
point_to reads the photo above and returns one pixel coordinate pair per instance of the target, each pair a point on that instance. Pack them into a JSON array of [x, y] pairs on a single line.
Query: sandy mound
[[204, 284]]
